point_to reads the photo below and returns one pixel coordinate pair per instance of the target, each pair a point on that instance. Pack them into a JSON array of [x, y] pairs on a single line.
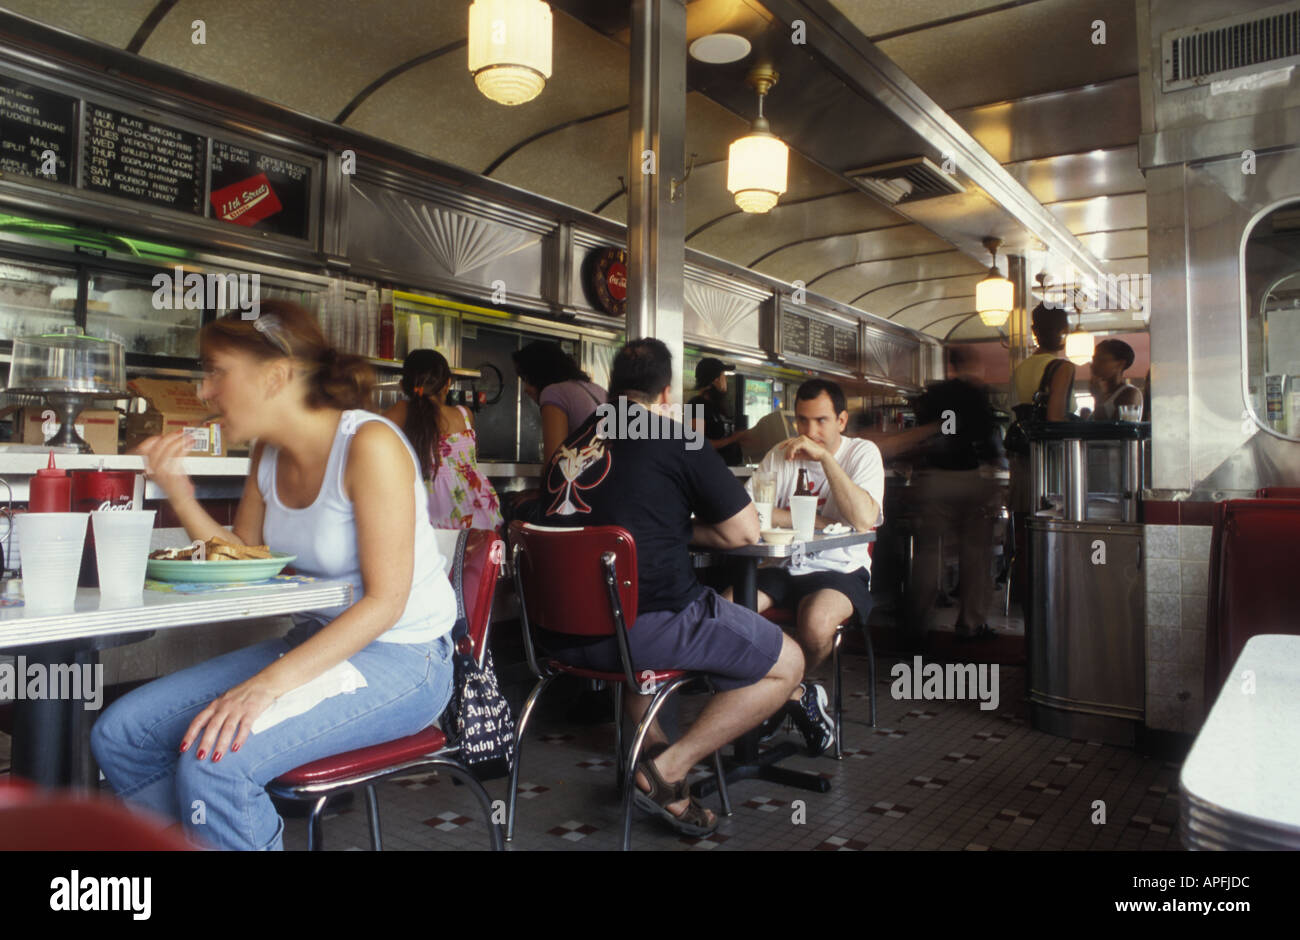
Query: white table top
[[157, 610], [1245, 762]]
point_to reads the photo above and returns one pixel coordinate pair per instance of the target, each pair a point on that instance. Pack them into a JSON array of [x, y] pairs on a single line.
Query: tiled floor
[[932, 775]]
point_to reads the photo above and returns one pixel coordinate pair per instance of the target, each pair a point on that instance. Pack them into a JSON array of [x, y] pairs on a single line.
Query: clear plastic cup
[[1131, 413], [763, 483], [803, 515], [764, 515], [122, 550], [50, 544]]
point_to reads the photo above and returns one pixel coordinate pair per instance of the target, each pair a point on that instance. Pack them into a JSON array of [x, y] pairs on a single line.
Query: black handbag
[[478, 716], [1016, 442]]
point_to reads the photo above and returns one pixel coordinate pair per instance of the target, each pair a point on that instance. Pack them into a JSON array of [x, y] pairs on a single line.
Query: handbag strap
[[460, 630]]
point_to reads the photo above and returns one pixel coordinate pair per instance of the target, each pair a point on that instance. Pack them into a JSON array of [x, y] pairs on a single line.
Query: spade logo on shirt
[[576, 469]]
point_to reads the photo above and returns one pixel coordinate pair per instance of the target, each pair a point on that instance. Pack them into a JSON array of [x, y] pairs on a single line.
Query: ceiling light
[[720, 48], [995, 295], [757, 163], [510, 48], [1078, 347]]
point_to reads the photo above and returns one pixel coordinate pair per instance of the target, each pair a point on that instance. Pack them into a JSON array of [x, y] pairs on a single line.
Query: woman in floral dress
[[460, 495]]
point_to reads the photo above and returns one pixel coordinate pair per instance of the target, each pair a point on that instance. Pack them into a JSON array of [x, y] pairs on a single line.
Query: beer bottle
[[801, 486]]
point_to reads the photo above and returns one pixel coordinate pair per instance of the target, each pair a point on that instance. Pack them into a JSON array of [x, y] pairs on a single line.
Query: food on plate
[[215, 549]]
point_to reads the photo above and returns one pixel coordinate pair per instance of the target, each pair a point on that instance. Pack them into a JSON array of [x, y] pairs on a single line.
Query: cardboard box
[[174, 406], [97, 428]]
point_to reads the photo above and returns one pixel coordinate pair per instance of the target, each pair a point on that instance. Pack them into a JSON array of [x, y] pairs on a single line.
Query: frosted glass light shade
[[1078, 347], [756, 171], [510, 48], [994, 298]]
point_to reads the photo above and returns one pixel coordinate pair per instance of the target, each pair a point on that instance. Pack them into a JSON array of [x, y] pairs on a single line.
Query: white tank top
[[324, 537]]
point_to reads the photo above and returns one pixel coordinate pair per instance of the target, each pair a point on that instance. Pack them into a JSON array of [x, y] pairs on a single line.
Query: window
[[1271, 277]]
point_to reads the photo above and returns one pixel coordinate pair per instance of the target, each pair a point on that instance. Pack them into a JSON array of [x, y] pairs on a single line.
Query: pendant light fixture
[[757, 162], [510, 48], [995, 295], [1078, 345]]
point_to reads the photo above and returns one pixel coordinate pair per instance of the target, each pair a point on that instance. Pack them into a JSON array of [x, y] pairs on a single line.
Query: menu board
[[794, 334], [846, 347], [821, 341], [818, 339], [36, 131], [140, 159], [260, 191]]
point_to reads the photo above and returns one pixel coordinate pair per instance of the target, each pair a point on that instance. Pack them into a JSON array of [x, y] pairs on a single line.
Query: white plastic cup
[[50, 544], [803, 513], [764, 515], [122, 542]]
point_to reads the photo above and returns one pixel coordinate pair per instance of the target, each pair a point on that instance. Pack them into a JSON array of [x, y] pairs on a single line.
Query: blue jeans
[[225, 805]]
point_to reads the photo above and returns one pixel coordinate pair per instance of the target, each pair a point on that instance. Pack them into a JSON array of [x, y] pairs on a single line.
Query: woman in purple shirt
[[566, 394]]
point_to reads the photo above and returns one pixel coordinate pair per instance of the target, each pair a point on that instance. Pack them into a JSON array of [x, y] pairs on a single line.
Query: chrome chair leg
[[619, 763], [461, 773], [372, 813], [638, 739], [512, 798], [838, 696], [871, 671], [314, 841]]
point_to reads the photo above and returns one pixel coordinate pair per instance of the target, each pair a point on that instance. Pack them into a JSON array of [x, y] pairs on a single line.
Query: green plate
[[182, 571]]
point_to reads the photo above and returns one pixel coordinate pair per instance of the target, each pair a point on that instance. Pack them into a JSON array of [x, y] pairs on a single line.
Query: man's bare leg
[[726, 717], [820, 615], [764, 602]]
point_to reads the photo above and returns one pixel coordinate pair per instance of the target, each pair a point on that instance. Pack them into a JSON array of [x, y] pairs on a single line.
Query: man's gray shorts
[[733, 645]]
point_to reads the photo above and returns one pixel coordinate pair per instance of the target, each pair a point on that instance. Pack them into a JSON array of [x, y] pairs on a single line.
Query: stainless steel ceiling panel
[[875, 17], [889, 300], [1081, 175], [1111, 245], [1103, 213], [936, 317], [1102, 114], [1019, 51]]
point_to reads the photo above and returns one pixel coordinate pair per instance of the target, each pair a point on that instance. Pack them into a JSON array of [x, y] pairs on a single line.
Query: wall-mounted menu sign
[[817, 339], [37, 135], [259, 190], [136, 158]]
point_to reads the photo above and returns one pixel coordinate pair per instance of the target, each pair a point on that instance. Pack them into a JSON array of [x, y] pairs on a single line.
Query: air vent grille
[[1231, 47], [908, 180]]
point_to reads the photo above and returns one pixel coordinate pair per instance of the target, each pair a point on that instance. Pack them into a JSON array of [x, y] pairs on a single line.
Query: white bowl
[[778, 536]]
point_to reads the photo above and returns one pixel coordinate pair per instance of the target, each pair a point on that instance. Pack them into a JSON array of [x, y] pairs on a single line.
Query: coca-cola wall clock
[[607, 280]]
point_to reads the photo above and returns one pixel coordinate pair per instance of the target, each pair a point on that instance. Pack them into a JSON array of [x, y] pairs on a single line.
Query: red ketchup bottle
[[50, 490]]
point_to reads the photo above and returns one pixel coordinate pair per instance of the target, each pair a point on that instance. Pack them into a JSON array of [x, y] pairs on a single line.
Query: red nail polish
[[216, 757], [185, 746], [235, 748], [200, 754]]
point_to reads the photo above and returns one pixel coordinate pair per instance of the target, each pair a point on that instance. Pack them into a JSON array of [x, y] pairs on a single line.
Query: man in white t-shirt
[[847, 476]]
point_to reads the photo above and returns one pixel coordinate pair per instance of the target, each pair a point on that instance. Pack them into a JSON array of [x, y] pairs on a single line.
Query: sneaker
[[812, 716], [771, 727]]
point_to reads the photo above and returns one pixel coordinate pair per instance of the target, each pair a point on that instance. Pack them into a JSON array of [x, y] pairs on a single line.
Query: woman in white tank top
[[341, 489]]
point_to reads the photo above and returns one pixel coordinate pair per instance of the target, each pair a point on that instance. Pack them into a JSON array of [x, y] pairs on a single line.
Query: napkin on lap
[[340, 679], [837, 528]]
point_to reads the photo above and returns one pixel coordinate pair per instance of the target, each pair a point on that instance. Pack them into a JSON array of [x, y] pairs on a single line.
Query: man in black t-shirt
[[632, 466], [955, 497], [711, 400]]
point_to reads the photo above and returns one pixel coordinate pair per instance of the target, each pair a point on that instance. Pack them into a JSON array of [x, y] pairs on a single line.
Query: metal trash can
[[1085, 621]]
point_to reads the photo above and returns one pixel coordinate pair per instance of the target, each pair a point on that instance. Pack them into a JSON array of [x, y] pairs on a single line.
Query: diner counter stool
[[583, 582], [476, 562]]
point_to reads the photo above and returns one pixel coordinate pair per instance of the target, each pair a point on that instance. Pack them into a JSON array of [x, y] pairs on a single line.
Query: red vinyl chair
[[1252, 567], [37, 820], [786, 617], [583, 582], [475, 566], [1278, 492]]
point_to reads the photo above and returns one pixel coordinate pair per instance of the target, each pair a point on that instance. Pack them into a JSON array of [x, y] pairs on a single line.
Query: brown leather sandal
[[694, 821]]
